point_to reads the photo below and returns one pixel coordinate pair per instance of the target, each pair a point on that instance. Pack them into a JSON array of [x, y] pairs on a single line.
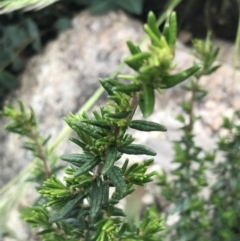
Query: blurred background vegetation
[[24, 33]]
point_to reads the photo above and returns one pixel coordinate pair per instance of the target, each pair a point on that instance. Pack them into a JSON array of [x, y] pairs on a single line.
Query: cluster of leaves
[[25, 124], [154, 67], [203, 218], [189, 177], [82, 207], [225, 193]]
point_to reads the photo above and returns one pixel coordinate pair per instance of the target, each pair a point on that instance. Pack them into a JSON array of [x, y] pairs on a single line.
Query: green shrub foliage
[[81, 207], [189, 176], [84, 205], [24, 123], [225, 193]]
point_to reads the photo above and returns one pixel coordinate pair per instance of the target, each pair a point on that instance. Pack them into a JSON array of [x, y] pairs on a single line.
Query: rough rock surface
[[66, 74]]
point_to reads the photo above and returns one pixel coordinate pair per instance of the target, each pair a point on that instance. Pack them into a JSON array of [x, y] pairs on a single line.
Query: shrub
[[189, 177], [84, 206], [81, 208]]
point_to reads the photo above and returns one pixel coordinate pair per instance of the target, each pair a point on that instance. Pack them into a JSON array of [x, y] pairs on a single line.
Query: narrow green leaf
[[148, 162], [152, 23], [29, 146], [137, 57], [49, 230], [122, 229], [137, 182], [77, 142], [166, 32], [87, 166], [148, 100], [109, 210], [111, 157], [125, 165], [114, 83], [211, 70], [96, 197], [32, 118], [126, 77], [135, 149], [105, 193], [173, 30], [100, 223], [87, 130], [141, 103], [118, 180], [143, 125], [134, 49], [77, 159], [118, 212], [66, 209], [127, 140], [155, 40], [85, 116], [97, 116], [131, 169], [135, 61], [128, 88], [215, 54], [101, 124], [119, 115], [21, 106], [45, 141], [135, 66], [107, 86], [172, 80]]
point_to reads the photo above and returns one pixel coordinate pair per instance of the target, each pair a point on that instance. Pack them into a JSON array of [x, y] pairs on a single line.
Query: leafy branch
[[225, 192], [25, 124], [189, 177], [81, 207]]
